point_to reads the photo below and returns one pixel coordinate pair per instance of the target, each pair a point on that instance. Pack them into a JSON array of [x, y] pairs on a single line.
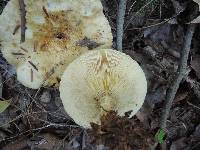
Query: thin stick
[[25, 50], [120, 23], [45, 11], [35, 46], [131, 7], [16, 29], [23, 19], [20, 54], [31, 75], [182, 69], [53, 125], [157, 24], [33, 65], [133, 17], [193, 105]]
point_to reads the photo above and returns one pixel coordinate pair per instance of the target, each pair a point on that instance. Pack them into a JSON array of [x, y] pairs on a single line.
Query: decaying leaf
[[197, 20], [197, 1], [4, 105]]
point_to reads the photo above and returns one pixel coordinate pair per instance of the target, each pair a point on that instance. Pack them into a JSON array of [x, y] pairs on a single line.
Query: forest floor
[[154, 34]]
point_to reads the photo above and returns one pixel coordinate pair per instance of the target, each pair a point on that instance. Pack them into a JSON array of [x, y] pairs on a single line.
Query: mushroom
[[100, 81], [40, 38]]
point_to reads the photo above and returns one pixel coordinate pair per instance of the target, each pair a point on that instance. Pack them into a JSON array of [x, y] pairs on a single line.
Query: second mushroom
[[40, 38]]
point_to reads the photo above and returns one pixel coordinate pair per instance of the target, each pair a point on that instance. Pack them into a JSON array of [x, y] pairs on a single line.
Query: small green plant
[[160, 136]]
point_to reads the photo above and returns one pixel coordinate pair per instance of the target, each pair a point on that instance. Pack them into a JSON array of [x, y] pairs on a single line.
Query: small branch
[[33, 65], [19, 54], [16, 29], [31, 75], [179, 76], [51, 125], [193, 105], [25, 50], [23, 19], [120, 23], [45, 11], [133, 17], [157, 24]]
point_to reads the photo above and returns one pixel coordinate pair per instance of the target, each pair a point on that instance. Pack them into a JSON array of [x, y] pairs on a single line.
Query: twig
[[31, 75], [120, 23], [16, 29], [51, 125], [157, 24], [133, 17], [62, 143], [23, 19], [45, 11], [25, 50], [179, 76], [17, 54], [27, 114], [33, 65], [193, 105], [131, 7]]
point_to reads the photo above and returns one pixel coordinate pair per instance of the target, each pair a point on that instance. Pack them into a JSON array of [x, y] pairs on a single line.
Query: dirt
[[36, 119]]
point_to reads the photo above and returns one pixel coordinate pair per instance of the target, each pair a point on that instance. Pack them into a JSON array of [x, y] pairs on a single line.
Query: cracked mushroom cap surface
[[57, 32], [101, 81]]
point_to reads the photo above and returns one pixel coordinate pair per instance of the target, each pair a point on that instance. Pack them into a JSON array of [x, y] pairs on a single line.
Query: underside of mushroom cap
[[100, 81], [57, 32]]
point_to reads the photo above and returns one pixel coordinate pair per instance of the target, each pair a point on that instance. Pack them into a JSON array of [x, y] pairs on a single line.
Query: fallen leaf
[[186, 13], [180, 96], [3, 105], [197, 132], [194, 85], [47, 141], [198, 2], [179, 144], [197, 20]]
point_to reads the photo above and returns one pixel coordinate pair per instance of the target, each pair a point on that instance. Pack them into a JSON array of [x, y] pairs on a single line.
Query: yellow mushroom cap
[[100, 81], [57, 32]]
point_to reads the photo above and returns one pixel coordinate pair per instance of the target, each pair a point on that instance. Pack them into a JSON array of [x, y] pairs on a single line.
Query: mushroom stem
[[107, 103]]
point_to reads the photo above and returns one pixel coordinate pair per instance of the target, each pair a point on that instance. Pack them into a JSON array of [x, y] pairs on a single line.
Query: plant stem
[[182, 69], [120, 23]]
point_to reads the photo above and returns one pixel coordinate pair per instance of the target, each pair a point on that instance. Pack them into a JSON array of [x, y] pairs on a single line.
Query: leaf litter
[[157, 49]]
